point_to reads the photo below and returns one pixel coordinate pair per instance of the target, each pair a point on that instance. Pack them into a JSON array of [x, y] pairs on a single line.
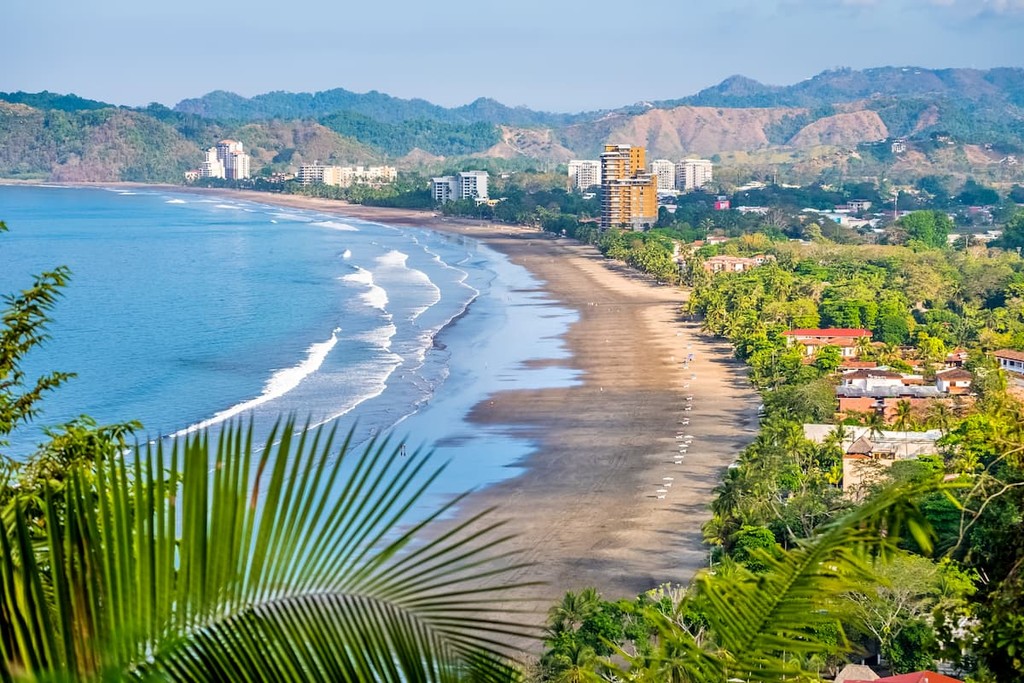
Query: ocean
[[187, 311]]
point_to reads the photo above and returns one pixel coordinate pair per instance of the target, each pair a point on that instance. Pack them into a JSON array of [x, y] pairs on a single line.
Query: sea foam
[[175, 201], [335, 225], [375, 295], [279, 384]]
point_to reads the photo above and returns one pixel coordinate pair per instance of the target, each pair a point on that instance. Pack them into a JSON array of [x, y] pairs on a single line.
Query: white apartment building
[[584, 173], [234, 158], [465, 185], [693, 174], [345, 176], [666, 172], [213, 167]]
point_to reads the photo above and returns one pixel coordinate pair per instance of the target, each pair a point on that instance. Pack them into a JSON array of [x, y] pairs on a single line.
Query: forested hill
[[225, 105], [962, 122], [836, 86]]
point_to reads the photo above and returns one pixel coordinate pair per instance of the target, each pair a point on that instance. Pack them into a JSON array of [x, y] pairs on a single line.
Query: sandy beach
[[626, 461], [587, 510]]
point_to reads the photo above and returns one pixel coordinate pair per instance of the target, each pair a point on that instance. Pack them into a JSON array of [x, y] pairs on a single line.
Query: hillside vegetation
[[827, 125]]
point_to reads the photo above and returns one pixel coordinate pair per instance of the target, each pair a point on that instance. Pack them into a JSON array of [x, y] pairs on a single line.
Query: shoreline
[[585, 507]]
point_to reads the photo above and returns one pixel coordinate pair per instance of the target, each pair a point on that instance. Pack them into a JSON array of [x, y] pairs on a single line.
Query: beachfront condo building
[[629, 194], [693, 174], [584, 173], [234, 159], [345, 176], [464, 185], [665, 171], [213, 167]]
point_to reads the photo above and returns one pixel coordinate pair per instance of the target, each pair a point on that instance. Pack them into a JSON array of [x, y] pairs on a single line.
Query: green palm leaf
[[200, 562], [761, 625]]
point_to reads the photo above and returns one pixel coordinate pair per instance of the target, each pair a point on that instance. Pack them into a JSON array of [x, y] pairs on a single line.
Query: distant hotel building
[[345, 176], [465, 185], [665, 170], [226, 160], [629, 194], [584, 173], [693, 174]]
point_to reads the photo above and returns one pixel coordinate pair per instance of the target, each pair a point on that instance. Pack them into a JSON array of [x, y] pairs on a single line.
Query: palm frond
[[205, 561]]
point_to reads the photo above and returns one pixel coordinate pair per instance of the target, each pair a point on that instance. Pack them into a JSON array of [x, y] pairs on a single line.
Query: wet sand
[[587, 511]]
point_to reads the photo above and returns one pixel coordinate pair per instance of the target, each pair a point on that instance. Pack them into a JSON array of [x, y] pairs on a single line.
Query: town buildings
[[693, 174], [346, 176], [846, 339], [1010, 360], [226, 160], [584, 173], [464, 185], [665, 171], [234, 158], [629, 194], [734, 264]]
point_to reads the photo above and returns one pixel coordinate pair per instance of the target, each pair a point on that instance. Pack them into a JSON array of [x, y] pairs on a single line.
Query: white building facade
[[346, 176], [465, 185], [584, 173], [666, 172], [234, 158], [693, 174]]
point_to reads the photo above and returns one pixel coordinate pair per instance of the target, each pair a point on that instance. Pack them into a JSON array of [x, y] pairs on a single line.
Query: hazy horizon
[[545, 56]]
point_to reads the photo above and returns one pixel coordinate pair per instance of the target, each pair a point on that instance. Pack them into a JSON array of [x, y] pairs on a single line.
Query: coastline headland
[[626, 460]]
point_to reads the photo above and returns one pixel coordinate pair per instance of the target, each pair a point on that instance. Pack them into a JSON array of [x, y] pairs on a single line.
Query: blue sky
[[559, 55]]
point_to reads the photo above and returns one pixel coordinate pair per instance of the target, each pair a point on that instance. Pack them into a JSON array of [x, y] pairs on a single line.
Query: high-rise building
[[665, 170], [473, 185], [693, 174], [213, 167], [584, 173], [234, 158], [629, 194], [465, 185]]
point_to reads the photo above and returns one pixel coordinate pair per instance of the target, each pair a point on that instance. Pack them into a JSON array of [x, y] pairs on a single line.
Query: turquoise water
[[185, 311]]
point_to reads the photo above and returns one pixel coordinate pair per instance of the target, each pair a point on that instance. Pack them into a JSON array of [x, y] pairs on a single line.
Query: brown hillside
[[672, 133], [842, 130], [418, 157], [301, 142], [535, 143]]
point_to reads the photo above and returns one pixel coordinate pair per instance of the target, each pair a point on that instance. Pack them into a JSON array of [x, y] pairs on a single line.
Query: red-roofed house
[[1010, 360], [916, 677], [812, 340]]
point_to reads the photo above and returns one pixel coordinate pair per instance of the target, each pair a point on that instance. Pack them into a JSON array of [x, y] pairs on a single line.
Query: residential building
[[855, 206], [1010, 360], [584, 173], [346, 176], [879, 390], [721, 203], [693, 174], [898, 146], [473, 185], [464, 185], [629, 194], [734, 264], [213, 167], [444, 189], [234, 158], [916, 677], [954, 381], [868, 454], [813, 340], [665, 172]]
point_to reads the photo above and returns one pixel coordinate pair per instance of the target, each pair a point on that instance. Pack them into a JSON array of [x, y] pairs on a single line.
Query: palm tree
[[904, 421], [573, 610], [207, 561], [761, 627], [940, 415]]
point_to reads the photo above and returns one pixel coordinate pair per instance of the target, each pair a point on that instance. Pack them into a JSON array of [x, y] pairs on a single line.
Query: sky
[[555, 55]]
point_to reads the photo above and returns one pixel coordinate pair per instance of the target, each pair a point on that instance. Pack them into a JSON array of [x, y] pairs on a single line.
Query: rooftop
[[1009, 354], [828, 332]]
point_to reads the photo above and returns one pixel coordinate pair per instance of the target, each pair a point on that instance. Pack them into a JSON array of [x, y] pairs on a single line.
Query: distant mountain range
[[828, 121]]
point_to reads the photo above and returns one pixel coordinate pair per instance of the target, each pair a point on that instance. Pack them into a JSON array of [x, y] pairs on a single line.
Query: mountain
[[960, 121], [228, 106]]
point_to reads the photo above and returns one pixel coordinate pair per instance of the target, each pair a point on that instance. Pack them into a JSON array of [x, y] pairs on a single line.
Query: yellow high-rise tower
[[629, 195]]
